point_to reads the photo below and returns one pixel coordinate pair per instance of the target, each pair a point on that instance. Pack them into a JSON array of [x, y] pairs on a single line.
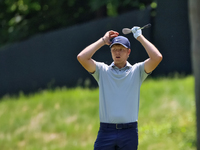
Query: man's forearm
[[89, 51], [152, 51]]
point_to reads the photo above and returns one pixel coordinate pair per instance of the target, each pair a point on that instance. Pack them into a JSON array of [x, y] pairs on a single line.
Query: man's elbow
[[79, 57], [159, 58]]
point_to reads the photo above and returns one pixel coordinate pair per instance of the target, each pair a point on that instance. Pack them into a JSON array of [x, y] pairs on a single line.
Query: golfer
[[119, 88]]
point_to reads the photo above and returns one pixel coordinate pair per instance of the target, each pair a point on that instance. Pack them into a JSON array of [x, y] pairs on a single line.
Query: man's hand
[[108, 36], [136, 32]]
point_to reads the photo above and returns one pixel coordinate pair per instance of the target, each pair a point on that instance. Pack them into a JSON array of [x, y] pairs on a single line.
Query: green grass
[[67, 119]]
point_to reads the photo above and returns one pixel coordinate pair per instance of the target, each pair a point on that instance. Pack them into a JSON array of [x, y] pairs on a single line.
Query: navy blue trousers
[[117, 137]]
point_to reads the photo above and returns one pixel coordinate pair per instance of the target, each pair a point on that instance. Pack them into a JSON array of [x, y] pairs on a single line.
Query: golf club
[[127, 30]]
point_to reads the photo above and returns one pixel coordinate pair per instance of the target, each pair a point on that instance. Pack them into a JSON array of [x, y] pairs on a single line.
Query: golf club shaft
[[146, 26]]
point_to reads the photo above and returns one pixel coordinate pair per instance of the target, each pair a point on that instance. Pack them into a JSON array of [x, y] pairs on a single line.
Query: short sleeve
[[99, 67], [143, 74]]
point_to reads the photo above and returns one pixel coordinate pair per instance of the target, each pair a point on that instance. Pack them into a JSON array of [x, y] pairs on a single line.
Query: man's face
[[120, 53]]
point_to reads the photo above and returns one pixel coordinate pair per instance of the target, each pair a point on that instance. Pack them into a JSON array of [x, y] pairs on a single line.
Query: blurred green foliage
[[20, 19], [68, 119]]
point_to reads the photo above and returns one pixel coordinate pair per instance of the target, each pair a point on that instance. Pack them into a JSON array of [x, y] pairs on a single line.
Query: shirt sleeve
[[99, 67], [143, 74]]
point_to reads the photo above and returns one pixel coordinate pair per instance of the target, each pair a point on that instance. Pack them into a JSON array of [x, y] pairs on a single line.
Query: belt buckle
[[118, 127]]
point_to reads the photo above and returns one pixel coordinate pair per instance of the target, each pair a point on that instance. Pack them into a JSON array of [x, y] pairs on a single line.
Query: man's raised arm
[[85, 56], [155, 57]]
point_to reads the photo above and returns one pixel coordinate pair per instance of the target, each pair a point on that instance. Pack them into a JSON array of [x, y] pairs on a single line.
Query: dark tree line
[[20, 19]]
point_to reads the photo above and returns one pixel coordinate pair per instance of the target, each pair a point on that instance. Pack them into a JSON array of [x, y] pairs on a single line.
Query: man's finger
[[114, 35]]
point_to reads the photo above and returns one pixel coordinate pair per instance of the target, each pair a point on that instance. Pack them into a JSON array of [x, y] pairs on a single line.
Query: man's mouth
[[118, 57]]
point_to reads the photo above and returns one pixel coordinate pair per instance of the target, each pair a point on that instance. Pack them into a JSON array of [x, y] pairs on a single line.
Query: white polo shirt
[[119, 91]]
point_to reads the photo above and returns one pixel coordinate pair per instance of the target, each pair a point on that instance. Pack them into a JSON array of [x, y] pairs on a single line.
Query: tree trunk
[[194, 16]]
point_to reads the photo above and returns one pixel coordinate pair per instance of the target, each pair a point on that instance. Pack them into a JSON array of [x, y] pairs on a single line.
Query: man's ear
[[129, 51]]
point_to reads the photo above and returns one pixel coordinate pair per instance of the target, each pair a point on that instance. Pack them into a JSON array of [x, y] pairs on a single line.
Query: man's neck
[[120, 65]]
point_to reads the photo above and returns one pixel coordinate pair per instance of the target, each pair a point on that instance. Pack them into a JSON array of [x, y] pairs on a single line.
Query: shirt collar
[[128, 65]]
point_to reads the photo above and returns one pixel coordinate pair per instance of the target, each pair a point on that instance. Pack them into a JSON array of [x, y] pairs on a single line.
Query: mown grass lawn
[[67, 119]]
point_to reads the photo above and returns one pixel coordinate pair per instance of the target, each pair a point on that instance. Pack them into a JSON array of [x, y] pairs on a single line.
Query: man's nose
[[118, 51]]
